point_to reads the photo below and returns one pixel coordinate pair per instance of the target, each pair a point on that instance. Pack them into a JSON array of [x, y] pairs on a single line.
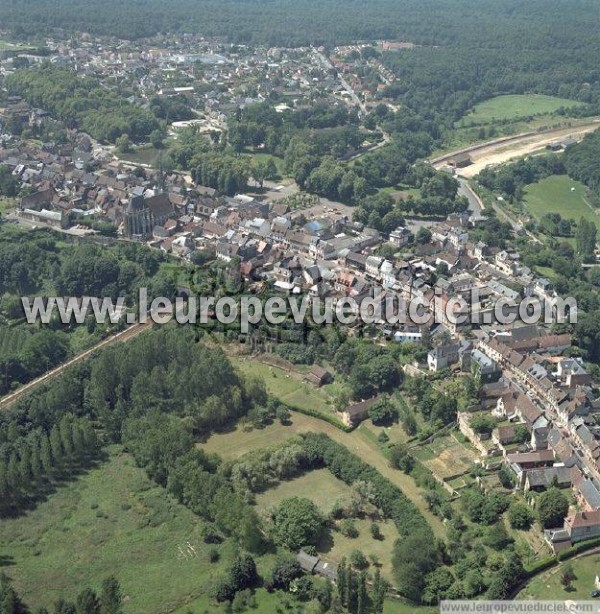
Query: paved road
[[475, 203]]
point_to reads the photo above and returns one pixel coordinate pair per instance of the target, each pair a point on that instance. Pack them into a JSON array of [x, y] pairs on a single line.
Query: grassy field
[[239, 442], [141, 155], [7, 203], [320, 486], [111, 521], [272, 603], [114, 520], [382, 548], [288, 389], [515, 107], [8, 46], [264, 156], [547, 585], [559, 194]]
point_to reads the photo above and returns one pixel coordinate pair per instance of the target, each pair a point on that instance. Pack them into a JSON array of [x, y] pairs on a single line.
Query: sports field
[[560, 194]]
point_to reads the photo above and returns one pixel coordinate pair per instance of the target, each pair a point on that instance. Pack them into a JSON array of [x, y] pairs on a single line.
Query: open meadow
[[320, 486], [343, 546], [112, 520], [514, 107]]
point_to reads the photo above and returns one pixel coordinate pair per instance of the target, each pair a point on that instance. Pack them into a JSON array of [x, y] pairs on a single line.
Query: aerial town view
[[299, 306]]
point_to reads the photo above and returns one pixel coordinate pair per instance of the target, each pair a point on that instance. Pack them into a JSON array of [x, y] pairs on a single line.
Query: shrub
[[348, 528]]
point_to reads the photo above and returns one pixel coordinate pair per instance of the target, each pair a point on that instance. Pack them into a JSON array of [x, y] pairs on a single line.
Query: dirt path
[[13, 397], [366, 451], [518, 149], [502, 150]]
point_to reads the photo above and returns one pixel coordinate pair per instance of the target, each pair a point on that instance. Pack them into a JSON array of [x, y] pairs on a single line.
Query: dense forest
[[164, 380], [33, 263], [581, 162], [284, 22], [83, 103]]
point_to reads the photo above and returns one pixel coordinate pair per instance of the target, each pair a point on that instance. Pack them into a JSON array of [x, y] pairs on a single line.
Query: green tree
[[567, 576], [552, 507], [414, 557], [297, 522], [123, 144], [260, 171], [242, 573], [401, 458], [111, 597], [382, 412], [520, 516], [87, 602]]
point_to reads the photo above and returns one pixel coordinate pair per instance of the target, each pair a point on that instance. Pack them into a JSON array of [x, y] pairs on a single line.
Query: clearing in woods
[[320, 486], [560, 194], [513, 107]]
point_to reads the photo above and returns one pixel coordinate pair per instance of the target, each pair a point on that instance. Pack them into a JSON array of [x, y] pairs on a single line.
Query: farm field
[[559, 194], [445, 456], [320, 486], [513, 107], [547, 585], [113, 520]]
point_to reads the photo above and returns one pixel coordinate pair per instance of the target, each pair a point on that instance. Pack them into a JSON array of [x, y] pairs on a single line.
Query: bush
[[285, 570], [400, 458], [358, 560], [383, 437], [348, 528], [540, 565], [376, 531], [222, 589]]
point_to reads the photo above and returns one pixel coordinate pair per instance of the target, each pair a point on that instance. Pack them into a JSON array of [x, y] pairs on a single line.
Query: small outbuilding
[[460, 160]]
